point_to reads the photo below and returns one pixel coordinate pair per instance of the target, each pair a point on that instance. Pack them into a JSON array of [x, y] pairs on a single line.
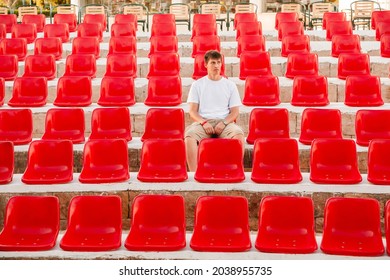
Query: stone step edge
[[191, 185], [185, 254]]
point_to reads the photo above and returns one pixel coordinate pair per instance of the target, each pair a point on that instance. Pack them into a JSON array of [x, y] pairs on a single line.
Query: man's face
[[213, 66]]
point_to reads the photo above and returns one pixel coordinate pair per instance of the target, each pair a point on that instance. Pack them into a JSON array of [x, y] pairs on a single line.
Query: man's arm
[[233, 115], [194, 114]]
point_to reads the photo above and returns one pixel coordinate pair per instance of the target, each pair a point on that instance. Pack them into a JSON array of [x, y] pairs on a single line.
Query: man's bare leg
[[242, 140], [191, 153]]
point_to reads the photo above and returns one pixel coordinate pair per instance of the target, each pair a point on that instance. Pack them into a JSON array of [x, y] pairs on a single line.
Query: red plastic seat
[[276, 161], [166, 44], [338, 28], [261, 91], [162, 29], [250, 43], [25, 30], [16, 46], [353, 64], [8, 66], [16, 125], [9, 20], [117, 91], [217, 166], [248, 28], [345, 44], [73, 91], [255, 64], [31, 223], [202, 44], [332, 16], [102, 167], [163, 160], [49, 162], [290, 28], [164, 91], [29, 92], [204, 29], [69, 19], [122, 45], [49, 45], [111, 123], [320, 123], [65, 124], [203, 18], [164, 123], [370, 125], [286, 225], [94, 224], [378, 167], [295, 44], [363, 90], [301, 64], [382, 27], [2, 91], [385, 45], [268, 123], [39, 21], [128, 18], [40, 65], [86, 45], [379, 16], [164, 64], [121, 65], [80, 65], [157, 223], [244, 17], [334, 161], [6, 162], [163, 18], [387, 226], [90, 30], [310, 91], [221, 224], [200, 68], [3, 30], [352, 227], [96, 18], [285, 17], [59, 30], [123, 30]]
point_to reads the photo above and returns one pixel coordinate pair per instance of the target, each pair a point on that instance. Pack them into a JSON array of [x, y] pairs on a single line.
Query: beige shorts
[[196, 131]]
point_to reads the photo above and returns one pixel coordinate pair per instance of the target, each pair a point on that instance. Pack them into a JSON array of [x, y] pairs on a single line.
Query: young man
[[214, 104]]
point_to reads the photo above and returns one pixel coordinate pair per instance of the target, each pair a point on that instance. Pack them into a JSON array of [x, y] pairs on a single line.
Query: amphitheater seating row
[[286, 225], [275, 161]]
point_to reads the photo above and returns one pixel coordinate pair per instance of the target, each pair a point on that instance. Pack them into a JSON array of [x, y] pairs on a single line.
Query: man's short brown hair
[[213, 54]]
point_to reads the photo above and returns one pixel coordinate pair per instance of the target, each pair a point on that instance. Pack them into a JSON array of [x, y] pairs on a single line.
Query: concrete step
[[191, 190], [185, 254]]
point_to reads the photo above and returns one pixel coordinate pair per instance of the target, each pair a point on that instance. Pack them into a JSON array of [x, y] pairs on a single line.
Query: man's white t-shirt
[[215, 98]]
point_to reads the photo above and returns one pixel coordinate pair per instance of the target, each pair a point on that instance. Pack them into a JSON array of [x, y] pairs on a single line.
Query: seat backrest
[[320, 123], [29, 91], [211, 8], [8, 66], [164, 91], [164, 64], [354, 222], [123, 29], [246, 8], [387, 225], [382, 27], [345, 44], [67, 9], [295, 44], [73, 91], [261, 91], [248, 28], [164, 123], [139, 10], [70, 19], [25, 30], [286, 225], [217, 166], [163, 18], [285, 17], [80, 65], [60, 30], [310, 91], [111, 123], [385, 45], [290, 28], [370, 125], [202, 44], [250, 43], [338, 28], [180, 11], [117, 91], [9, 20], [26, 10], [332, 16], [38, 65], [121, 65], [353, 64], [302, 64], [363, 90], [319, 8], [128, 18], [163, 160], [66, 124], [334, 161], [276, 161], [16, 125], [49, 45], [378, 166], [17, 46], [166, 44], [118, 45], [95, 9], [33, 215], [90, 30], [255, 64], [268, 123], [4, 10], [362, 9], [6, 162], [379, 16], [86, 45]]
